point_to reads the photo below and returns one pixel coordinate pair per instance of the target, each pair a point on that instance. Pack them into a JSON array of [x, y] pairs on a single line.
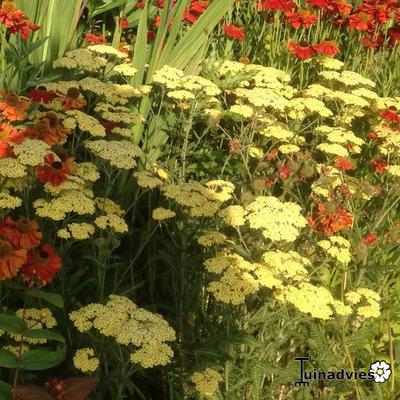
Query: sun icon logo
[[380, 370]]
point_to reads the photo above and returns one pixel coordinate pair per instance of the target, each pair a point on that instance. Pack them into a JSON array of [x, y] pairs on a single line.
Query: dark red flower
[[301, 50], [284, 171], [379, 165], [234, 32], [41, 95], [318, 3]]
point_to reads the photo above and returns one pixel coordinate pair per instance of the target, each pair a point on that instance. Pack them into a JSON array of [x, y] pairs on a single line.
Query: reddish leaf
[[31, 392], [79, 388]]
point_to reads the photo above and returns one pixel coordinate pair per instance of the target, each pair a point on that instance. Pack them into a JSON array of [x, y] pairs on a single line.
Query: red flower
[[159, 4], [272, 155], [318, 3], [234, 32], [301, 18], [93, 38], [391, 114], [394, 34], [370, 238], [327, 47], [123, 23], [301, 50], [196, 8], [373, 41], [343, 164], [361, 21], [41, 95], [22, 234], [379, 165], [55, 172], [282, 5], [139, 5], [374, 136], [284, 171], [8, 136], [43, 264]]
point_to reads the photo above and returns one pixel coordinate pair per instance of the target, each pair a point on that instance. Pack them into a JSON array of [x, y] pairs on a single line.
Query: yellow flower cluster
[[371, 298], [160, 214], [113, 221], [80, 59], [338, 248], [87, 123], [113, 113], [78, 231], [85, 361], [11, 168], [120, 153], [32, 152], [278, 221], [107, 50], [9, 201], [146, 333], [87, 171], [146, 179], [200, 200], [233, 215], [34, 319], [211, 239], [207, 381]]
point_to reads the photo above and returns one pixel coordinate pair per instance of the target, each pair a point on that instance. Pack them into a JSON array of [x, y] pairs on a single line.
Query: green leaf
[[53, 298], [8, 359], [11, 323], [5, 391], [43, 334], [37, 360]]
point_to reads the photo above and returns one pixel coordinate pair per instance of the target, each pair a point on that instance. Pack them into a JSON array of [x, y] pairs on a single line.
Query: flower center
[[52, 118], [42, 126], [12, 100], [56, 165], [8, 6], [73, 93], [5, 249], [24, 225], [43, 255]]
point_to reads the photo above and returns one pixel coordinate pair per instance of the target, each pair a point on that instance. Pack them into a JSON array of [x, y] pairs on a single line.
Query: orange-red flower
[[123, 23], [370, 238], [49, 130], [22, 233], [196, 8], [93, 38], [8, 135], [343, 164], [71, 100], [11, 259], [301, 50], [330, 218], [282, 5], [55, 172], [327, 47], [301, 18], [361, 21], [13, 107], [43, 264], [234, 32], [15, 20]]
